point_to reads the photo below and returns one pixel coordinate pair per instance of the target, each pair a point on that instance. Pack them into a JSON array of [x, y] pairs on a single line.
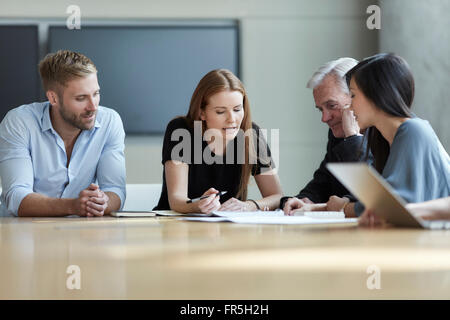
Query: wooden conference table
[[165, 258]]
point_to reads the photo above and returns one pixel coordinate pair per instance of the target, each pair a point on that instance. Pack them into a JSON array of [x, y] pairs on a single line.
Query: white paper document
[[280, 213], [252, 217], [276, 217]]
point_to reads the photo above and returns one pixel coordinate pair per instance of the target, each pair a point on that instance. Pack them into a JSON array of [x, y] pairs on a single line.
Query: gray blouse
[[418, 167]]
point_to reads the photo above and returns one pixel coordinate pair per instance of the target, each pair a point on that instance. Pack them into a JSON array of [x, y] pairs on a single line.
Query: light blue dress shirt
[[33, 157], [418, 167]]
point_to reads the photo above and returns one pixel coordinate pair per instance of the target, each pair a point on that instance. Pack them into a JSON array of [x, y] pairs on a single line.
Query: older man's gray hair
[[338, 68]]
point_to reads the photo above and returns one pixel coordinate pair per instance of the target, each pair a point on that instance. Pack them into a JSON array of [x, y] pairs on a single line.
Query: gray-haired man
[[331, 96]]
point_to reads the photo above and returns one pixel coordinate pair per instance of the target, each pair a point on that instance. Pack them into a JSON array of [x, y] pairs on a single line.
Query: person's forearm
[[437, 206], [270, 202], [317, 207], [314, 191], [179, 204], [37, 205], [349, 210], [318, 189], [350, 149], [114, 202]]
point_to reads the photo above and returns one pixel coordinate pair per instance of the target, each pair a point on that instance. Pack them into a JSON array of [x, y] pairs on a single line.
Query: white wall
[[282, 43]]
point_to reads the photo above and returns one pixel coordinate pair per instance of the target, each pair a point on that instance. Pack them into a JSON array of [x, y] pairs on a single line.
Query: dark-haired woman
[[231, 151], [406, 151]]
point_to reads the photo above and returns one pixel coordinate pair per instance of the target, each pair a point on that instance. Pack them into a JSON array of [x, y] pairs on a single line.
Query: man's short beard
[[72, 118]]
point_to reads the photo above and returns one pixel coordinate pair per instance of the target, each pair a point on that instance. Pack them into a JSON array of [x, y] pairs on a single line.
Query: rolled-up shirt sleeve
[[111, 174], [16, 168]]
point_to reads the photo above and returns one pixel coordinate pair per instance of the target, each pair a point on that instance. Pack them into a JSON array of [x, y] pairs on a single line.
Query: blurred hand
[[337, 203], [306, 200], [295, 203], [349, 123], [431, 210], [211, 203], [370, 219], [234, 204]]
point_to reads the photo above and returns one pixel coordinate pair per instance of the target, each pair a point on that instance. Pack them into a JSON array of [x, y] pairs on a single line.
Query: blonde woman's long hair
[[217, 81]]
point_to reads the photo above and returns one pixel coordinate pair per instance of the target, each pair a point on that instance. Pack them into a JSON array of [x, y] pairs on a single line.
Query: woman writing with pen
[[215, 148]]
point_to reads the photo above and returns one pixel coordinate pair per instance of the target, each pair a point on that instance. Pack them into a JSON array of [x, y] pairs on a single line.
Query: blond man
[[64, 156]]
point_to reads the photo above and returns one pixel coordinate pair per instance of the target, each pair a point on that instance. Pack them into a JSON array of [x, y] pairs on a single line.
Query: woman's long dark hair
[[387, 81]]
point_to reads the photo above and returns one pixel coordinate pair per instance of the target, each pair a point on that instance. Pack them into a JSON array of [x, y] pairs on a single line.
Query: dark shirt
[[221, 175], [324, 184]]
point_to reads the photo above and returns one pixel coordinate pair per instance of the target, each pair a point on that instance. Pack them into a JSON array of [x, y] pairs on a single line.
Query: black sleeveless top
[[221, 172]]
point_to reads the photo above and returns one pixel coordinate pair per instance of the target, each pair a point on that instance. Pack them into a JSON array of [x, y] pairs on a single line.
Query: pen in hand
[[221, 193]]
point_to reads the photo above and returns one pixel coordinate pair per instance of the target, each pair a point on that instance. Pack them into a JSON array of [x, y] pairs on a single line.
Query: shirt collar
[[97, 124], [46, 122]]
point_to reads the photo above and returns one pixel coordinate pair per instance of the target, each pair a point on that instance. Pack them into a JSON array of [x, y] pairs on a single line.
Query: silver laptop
[[373, 191]]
